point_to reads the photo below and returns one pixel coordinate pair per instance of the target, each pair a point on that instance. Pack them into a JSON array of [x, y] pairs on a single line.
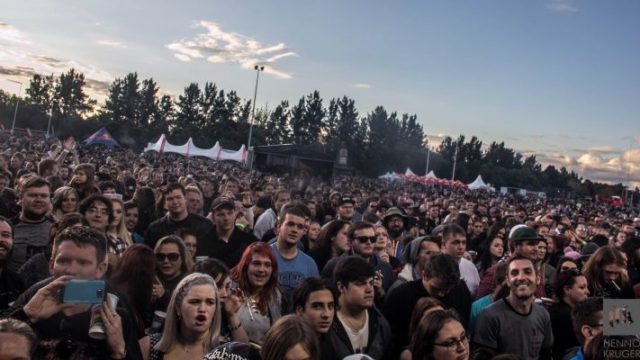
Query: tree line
[[379, 141]]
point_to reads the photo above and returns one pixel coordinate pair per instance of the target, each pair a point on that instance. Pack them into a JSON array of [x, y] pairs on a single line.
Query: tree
[[313, 118], [70, 100], [276, 129], [188, 119], [297, 122], [40, 92]]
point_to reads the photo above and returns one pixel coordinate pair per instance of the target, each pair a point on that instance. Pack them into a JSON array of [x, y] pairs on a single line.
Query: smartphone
[[84, 292]]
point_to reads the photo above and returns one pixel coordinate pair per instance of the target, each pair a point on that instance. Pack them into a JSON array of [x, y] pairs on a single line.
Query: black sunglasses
[[173, 257], [365, 239]]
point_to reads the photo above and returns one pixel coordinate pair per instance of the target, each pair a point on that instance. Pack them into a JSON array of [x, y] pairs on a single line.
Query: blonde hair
[[121, 228], [171, 334]]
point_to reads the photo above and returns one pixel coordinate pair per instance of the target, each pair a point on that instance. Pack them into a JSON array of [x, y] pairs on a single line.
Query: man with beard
[[395, 220], [11, 284], [524, 241], [346, 209], [31, 226], [516, 324]]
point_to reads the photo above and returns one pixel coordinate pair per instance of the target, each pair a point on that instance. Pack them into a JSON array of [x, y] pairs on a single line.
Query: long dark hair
[[134, 277], [427, 333], [486, 259], [323, 251]]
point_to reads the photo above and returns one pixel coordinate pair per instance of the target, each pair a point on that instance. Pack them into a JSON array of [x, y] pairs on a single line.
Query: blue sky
[[558, 78]]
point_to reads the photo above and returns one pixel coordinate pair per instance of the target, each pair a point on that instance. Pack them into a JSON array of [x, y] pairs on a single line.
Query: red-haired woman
[[257, 276]]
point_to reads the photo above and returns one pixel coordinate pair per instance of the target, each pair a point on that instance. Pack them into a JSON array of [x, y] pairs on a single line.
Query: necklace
[[353, 325]]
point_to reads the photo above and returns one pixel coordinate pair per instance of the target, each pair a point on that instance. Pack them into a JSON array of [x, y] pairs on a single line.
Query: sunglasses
[[366, 239], [173, 257]]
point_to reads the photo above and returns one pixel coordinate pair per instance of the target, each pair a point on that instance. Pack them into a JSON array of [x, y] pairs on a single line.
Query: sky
[[556, 78]]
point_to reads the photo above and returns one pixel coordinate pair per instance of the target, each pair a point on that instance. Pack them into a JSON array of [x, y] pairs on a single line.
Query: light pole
[[426, 172], [257, 68], [15, 113]]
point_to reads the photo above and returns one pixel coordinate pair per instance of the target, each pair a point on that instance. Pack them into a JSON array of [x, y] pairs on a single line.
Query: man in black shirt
[[228, 241], [441, 280], [178, 217]]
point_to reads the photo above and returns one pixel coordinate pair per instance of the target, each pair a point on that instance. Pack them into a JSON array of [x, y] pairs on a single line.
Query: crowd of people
[[208, 261]]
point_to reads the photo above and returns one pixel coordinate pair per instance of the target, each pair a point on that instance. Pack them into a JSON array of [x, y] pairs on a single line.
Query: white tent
[[216, 152], [478, 184], [388, 176], [409, 173], [431, 175]]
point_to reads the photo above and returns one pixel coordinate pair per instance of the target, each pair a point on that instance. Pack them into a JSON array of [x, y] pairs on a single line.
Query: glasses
[[94, 211], [172, 257], [366, 239], [454, 343]]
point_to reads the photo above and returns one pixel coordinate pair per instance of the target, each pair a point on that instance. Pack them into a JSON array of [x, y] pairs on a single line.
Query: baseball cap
[[346, 199], [520, 233], [223, 202]]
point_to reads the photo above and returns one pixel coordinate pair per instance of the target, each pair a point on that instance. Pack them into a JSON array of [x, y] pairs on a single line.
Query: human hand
[[113, 331], [157, 292], [46, 301], [233, 303]]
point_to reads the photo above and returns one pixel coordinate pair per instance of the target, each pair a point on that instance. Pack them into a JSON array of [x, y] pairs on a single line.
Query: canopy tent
[[389, 176], [478, 184], [408, 172], [431, 175], [103, 137], [216, 152]]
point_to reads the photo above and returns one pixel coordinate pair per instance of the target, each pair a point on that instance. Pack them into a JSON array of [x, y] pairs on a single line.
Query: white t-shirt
[[359, 338], [469, 273]]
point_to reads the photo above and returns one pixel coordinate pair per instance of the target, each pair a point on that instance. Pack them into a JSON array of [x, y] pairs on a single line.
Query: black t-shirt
[[11, 286], [228, 252], [400, 302], [166, 226]]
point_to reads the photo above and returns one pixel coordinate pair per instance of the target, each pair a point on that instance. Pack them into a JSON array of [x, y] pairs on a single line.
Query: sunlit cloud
[[361, 86], [109, 43], [21, 59], [601, 163], [218, 46], [434, 141], [561, 6]]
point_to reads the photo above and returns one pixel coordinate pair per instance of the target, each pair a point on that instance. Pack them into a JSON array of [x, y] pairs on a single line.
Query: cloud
[[217, 46], [602, 163], [22, 59], [561, 6], [434, 141], [361, 86], [109, 43], [8, 33]]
